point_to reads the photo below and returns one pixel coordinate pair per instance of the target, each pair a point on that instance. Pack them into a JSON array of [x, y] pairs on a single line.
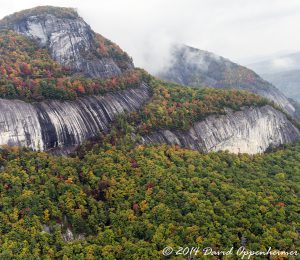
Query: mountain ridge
[[283, 72], [70, 40], [191, 66], [277, 64], [30, 73], [131, 191], [287, 81], [150, 104]]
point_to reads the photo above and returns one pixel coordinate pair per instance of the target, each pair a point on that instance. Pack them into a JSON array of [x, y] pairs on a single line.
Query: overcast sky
[[241, 30]]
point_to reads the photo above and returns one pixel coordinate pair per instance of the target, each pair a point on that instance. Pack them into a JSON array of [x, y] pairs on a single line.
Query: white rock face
[[57, 124], [251, 131], [19, 124], [68, 235], [278, 97], [71, 42]]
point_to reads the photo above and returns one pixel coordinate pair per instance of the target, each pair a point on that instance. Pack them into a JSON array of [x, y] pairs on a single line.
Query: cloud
[[145, 29], [282, 63]]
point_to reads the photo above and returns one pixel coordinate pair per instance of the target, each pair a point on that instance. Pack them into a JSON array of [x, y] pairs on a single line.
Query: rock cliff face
[[196, 67], [251, 131], [68, 37], [51, 124], [55, 124]]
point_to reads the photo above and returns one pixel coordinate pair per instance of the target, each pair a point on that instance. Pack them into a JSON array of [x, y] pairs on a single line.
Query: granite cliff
[[54, 124], [57, 124], [70, 40], [252, 130]]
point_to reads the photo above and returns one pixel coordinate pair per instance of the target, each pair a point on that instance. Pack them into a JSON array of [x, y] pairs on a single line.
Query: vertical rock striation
[[51, 124], [251, 131], [70, 40]]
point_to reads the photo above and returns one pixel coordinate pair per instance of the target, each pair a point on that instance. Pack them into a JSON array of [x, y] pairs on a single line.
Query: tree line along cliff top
[[60, 12], [28, 72]]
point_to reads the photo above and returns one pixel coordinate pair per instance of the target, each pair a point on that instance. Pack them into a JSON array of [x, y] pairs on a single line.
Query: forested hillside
[[113, 196], [131, 203], [175, 107], [28, 72]]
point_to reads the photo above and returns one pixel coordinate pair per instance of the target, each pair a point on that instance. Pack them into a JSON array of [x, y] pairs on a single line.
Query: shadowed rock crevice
[[252, 130], [70, 40], [50, 124]]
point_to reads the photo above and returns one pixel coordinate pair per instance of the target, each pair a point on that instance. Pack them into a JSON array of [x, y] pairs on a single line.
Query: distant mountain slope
[[191, 66], [277, 64], [284, 73], [296, 105], [287, 81], [70, 40]]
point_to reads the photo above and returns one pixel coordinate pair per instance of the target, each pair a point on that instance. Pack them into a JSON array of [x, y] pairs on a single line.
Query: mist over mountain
[[283, 72], [194, 67], [277, 64], [287, 81]]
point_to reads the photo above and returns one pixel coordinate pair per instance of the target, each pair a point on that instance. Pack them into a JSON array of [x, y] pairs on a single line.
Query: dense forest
[[128, 203], [175, 107], [114, 198]]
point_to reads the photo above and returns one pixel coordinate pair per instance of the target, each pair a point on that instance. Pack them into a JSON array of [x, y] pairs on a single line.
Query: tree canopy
[[128, 203]]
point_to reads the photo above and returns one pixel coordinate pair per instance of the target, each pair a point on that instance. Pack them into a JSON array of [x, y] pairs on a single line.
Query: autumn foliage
[[176, 107], [28, 72], [138, 201]]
